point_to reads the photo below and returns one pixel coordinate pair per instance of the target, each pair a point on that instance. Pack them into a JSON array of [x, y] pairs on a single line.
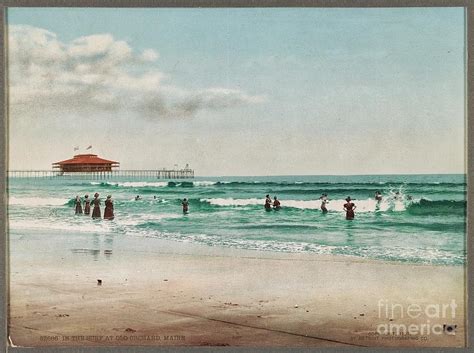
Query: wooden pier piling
[[135, 174]]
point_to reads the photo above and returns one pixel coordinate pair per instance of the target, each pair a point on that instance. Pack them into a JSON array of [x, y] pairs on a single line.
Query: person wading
[[78, 204], [349, 207], [96, 204], [87, 205], [109, 208]]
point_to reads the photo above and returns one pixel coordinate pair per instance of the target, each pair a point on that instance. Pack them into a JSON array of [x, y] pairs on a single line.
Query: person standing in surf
[[268, 203], [324, 201], [87, 205], [78, 204], [109, 208], [378, 197], [185, 205], [276, 204], [96, 204], [349, 207]]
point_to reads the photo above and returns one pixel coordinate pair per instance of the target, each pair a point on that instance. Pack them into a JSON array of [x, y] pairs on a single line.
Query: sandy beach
[[157, 292]]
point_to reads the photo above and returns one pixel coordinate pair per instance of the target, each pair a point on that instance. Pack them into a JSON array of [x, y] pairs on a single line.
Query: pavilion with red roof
[[85, 163]]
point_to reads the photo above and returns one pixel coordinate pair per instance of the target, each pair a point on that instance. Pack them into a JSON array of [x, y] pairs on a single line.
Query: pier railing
[[136, 174]]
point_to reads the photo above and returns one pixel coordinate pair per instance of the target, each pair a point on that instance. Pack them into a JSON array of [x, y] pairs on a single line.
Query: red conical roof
[[85, 159]]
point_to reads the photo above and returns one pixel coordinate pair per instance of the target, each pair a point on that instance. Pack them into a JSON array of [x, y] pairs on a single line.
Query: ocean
[[424, 223]]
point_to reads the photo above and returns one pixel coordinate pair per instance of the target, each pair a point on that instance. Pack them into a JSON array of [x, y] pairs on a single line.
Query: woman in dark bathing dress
[[185, 205], [324, 202], [96, 204], [349, 207], [109, 208], [268, 203], [78, 203], [87, 205]]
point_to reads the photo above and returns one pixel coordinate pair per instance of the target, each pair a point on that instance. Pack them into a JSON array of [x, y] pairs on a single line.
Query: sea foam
[[367, 205], [36, 201]]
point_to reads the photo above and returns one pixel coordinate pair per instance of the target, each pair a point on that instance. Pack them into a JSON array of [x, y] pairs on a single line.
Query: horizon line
[[329, 175]]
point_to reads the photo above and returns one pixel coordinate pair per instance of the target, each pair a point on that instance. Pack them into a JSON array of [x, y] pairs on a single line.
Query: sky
[[271, 91]]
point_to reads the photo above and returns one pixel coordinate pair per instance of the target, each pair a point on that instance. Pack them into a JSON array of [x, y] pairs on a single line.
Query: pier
[[185, 173]]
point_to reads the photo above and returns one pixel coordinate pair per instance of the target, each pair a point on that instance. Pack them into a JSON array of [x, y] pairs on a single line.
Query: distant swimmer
[[268, 203], [349, 207], [398, 196], [96, 204], [109, 208], [87, 205], [378, 196], [137, 198], [185, 205], [78, 204], [324, 202], [276, 204]]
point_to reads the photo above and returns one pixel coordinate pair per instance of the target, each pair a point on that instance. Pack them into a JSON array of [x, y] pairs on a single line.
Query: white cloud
[[149, 55], [98, 44], [94, 73]]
